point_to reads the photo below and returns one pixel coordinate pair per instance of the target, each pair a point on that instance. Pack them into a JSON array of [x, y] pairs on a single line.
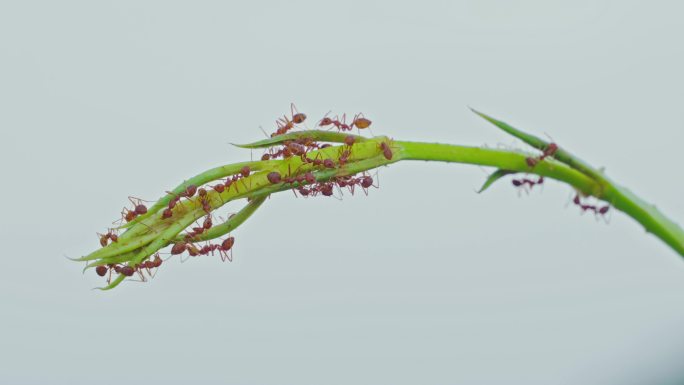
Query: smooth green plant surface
[[147, 234]]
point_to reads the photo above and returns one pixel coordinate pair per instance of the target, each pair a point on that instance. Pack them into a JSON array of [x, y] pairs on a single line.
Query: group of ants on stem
[[305, 184]]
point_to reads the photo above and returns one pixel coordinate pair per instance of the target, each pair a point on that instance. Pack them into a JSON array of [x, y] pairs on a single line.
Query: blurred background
[[423, 281]]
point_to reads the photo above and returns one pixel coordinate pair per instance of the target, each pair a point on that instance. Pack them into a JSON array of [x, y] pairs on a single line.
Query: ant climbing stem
[[524, 183], [548, 152], [386, 150], [320, 173], [598, 211], [285, 124], [109, 235], [138, 205]]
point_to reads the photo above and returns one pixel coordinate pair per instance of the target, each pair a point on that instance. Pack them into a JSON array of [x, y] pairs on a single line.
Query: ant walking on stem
[[105, 238], [598, 211], [285, 124], [526, 182], [548, 152]]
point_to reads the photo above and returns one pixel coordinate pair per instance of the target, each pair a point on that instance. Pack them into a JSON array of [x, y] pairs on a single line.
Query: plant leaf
[[493, 177]]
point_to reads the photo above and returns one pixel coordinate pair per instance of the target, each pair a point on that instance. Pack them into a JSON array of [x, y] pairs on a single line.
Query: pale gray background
[[424, 281]]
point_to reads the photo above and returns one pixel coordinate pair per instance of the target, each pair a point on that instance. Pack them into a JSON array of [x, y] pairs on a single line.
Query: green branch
[[318, 168]]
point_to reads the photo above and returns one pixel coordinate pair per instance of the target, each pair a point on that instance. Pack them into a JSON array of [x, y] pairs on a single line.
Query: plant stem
[[619, 197]]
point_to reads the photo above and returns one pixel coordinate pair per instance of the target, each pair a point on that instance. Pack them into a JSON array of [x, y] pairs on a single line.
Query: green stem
[[622, 199], [151, 232]]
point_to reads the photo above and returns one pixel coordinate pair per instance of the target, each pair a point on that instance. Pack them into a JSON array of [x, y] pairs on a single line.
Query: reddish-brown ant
[[386, 150], [340, 125], [587, 207], [284, 124], [549, 151], [128, 215], [527, 182], [207, 223], [110, 235]]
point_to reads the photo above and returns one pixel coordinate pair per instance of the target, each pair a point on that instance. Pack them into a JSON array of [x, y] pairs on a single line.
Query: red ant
[[284, 124], [194, 251], [128, 215], [549, 151], [110, 235], [187, 193], [127, 270], [344, 157], [340, 125], [529, 182], [386, 150], [138, 209], [587, 207]]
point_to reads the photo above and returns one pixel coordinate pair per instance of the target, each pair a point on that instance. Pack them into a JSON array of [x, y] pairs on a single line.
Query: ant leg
[[136, 201], [376, 178], [141, 275]]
